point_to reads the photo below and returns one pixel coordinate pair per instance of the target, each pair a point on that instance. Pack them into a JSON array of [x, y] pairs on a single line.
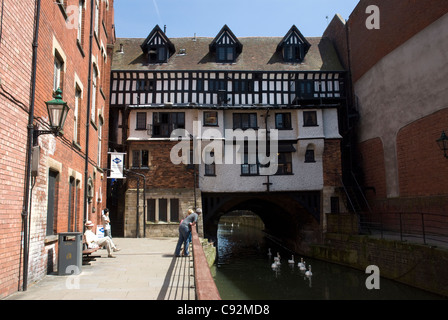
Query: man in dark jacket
[[184, 231]]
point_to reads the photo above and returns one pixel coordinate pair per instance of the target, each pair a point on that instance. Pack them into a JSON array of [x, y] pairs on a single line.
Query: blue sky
[[246, 18]]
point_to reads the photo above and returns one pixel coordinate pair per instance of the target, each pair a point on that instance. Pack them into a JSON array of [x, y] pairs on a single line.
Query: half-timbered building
[[211, 87]]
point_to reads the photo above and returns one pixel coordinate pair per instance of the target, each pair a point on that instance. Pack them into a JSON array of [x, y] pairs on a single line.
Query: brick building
[[207, 86], [400, 106], [15, 77], [67, 176]]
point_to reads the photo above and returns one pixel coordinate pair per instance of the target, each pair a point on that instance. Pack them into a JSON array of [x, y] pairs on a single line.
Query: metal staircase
[[356, 201]]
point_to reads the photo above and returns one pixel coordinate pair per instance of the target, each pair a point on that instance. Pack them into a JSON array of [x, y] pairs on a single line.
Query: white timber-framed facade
[[209, 86]]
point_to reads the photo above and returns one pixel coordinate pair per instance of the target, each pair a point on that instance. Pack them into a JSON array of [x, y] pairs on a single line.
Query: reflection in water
[[244, 271]]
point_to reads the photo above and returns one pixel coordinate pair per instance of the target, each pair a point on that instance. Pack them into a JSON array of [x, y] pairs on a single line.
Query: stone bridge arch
[[290, 217]]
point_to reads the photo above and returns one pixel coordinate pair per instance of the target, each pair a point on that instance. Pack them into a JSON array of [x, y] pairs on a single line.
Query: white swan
[[301, 264], [277, 258], [309, 273], [291, 260], [302, 267]]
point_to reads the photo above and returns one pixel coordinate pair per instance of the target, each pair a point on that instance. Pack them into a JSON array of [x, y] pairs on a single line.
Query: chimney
[[121, 48], [164, 29]]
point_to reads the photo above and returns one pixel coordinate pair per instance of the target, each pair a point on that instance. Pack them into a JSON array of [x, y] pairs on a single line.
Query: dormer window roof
[[226, 46], [157, 46], [294, 46]]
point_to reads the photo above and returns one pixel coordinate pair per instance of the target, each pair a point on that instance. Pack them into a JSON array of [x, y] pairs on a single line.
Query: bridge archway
[[290, 217]]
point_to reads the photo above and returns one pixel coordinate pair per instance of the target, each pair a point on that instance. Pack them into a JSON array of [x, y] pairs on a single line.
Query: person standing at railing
[[185, 231]]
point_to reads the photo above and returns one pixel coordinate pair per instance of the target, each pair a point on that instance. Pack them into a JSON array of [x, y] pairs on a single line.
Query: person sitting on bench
[[93, 241]]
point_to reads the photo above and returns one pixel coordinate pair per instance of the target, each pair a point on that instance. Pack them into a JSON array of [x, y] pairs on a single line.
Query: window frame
[[58, 72], [310, 156], [138, 159], [170, 206], [79, 35], [238, 123], [158, 54], [210, 169], [170, 124], [249, 167], [225, 54], [141, 124], [76, 122], [208, 115], [294, 53], [284, 162], [95, 75], [310, 119], [283, 126]]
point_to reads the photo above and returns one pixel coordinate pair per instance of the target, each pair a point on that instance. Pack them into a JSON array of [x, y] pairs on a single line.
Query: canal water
[[243, 271]]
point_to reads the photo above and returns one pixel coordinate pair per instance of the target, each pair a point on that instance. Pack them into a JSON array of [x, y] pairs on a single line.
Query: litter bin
[[69, 253]]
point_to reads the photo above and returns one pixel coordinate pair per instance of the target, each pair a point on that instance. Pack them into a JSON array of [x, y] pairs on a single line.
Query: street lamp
[[57, 112], [443, 143]]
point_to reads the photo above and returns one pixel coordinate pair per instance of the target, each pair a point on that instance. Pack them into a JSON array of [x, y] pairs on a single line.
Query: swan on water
[[301, 264], [309, 273], [277, 258], [303, 267], [291, 260]]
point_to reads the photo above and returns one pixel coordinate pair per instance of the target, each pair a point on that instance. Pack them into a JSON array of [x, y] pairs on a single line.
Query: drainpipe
[[268, 139], [89, 94], [137, 218], [26, 212]]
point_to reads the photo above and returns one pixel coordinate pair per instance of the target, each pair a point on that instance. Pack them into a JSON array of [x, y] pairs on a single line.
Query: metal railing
[[420, 227]]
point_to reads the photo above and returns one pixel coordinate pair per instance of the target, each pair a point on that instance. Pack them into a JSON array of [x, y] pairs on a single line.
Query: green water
[[243, 271]]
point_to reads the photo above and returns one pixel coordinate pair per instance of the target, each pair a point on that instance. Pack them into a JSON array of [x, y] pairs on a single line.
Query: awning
[[286, 147]]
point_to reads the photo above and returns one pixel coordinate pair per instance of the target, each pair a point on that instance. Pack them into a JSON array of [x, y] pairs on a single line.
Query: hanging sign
[[116, 165]]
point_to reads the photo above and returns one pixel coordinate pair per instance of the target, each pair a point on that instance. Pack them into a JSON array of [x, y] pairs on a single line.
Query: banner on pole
[[116, 165]]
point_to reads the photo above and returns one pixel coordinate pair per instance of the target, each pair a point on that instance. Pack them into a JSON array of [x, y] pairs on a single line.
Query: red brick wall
[[336, 32], [372, 163], [420, 165], [422, 168], [15, 74], [162, 172], [399, 21], [60, 153], [332, 163]]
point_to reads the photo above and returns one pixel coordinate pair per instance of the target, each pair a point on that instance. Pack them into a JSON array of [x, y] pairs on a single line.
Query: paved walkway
[[144, 269]]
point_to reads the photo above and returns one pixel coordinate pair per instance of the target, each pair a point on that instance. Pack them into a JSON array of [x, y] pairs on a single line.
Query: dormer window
[[294, 46], [226, 46], [158, 47], [157, 55], [293, 53], [225, 54]]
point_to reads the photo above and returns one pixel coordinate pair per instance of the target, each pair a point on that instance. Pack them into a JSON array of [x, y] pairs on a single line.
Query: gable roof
[[294, 31], [150, 40], [259, 54], [226, 30]]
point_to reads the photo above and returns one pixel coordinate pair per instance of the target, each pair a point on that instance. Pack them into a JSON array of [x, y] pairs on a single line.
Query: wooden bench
[[87, 252]]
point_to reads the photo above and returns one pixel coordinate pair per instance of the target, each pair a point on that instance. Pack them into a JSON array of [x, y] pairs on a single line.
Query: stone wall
[[416, 265], [158, 228]]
